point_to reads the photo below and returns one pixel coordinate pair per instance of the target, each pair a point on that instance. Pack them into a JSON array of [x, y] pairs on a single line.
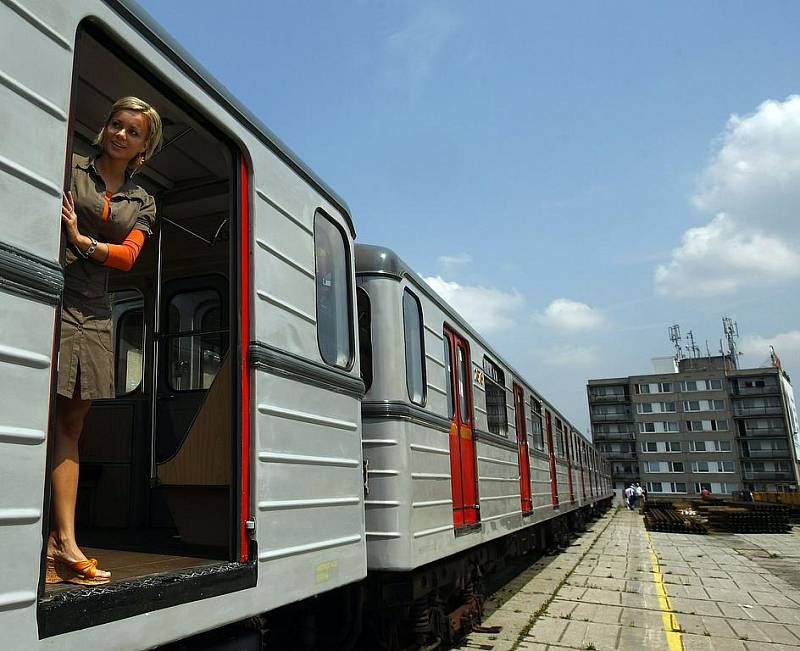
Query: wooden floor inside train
[[125, 565]]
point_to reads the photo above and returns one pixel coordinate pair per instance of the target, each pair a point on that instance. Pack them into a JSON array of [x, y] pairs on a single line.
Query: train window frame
[[365, 353], [223, 331], [536, 417], [450, 387], [495, 377], [419, 363], [321, 217], [131, 304]]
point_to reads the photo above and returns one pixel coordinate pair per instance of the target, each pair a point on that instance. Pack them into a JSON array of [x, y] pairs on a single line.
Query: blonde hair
[[152, 117]]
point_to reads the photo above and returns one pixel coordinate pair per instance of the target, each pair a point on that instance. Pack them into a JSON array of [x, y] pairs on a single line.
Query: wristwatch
[[88, 252]]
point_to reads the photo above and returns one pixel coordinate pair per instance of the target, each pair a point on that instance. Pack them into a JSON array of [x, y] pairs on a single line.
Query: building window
[[496, 415], [334, 327], [364, 336], [666, 487], [415, 348], [655, 407]]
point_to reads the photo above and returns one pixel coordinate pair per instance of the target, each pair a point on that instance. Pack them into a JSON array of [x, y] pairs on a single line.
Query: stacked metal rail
[[665, 516], [746, 517]]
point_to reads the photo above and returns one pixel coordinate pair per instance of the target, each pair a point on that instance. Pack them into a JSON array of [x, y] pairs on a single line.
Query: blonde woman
[[106, 218]]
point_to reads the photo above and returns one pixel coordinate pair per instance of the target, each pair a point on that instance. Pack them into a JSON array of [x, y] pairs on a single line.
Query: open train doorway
[[159, 461]]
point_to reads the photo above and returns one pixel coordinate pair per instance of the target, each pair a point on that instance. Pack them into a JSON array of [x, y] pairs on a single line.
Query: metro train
[[302, 428]]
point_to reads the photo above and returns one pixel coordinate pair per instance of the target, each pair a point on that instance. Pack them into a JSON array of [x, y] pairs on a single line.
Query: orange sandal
[[52, 576], [79, 572]]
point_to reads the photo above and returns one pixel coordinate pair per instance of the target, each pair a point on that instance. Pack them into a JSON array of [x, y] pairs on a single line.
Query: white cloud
[[787, 346], [569, 355], [565, 314], [752, 187], [485, 308], [412, 50], [454, 260], [755, 175], [721, 258]]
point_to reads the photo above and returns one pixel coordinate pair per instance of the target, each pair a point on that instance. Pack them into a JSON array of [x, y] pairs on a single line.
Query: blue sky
[[574, 177]]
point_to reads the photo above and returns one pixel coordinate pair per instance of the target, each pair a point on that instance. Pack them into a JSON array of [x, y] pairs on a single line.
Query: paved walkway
[[621, 587]]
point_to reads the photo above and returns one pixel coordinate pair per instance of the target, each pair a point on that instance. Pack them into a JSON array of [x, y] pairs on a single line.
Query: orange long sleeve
[[122, 256]]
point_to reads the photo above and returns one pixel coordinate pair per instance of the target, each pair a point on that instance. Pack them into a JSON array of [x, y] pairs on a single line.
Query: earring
[[140, 159]]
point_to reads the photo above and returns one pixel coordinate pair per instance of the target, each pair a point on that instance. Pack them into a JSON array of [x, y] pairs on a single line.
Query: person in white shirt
[[628, 495]]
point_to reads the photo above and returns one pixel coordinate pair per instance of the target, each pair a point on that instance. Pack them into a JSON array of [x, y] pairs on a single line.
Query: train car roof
[[145, 24], [372, 260]]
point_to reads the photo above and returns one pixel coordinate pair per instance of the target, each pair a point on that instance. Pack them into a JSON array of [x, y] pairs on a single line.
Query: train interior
[[156, 461]]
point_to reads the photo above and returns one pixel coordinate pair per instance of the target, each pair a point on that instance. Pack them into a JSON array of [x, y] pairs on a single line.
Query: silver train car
[[466, 461], [225, 478], [230, 476]]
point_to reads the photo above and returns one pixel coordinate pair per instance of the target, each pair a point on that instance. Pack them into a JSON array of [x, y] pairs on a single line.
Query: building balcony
[[777, 475], [757, 411], [756, 391], [625, 474], [611, 417], [619, 455], [609, 398], [766, 454], [772, 432], [613, 436]]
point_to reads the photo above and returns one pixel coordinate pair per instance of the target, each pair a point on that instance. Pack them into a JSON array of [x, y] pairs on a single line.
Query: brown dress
[[86, 342]]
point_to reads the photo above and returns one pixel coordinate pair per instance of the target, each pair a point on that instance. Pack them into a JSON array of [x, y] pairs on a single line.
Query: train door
[[162, 487], [582, 460], [462, 444], [522, 446], [552, 453], [570, 452]]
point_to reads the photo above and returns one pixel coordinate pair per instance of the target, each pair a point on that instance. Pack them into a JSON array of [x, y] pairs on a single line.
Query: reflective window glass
[[333, 293]]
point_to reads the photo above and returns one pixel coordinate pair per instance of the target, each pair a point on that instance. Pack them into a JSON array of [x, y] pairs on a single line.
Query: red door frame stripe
[[244, 343]]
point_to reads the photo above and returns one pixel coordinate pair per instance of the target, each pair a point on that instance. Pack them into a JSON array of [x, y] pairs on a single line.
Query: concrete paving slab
[[724, 593]]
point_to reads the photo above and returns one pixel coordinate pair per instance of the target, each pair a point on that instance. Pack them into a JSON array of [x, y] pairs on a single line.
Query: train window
[[463, 383], [129, 340], [364, 336], [559, 438], [333, 293], [415, 348], [197, 340], [536, 434], [496, 414], [448, 369]]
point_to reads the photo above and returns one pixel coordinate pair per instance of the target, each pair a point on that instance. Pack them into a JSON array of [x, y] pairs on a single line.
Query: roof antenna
[[731, 330], [675, 338], [694, 351]]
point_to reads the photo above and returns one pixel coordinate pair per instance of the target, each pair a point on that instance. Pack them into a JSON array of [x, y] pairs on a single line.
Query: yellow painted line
[[671, 626]]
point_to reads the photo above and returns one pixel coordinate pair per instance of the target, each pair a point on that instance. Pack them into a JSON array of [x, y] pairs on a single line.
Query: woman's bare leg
[[70, 414]]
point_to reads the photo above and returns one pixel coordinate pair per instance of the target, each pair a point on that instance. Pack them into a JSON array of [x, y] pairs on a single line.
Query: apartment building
[[695, 424]]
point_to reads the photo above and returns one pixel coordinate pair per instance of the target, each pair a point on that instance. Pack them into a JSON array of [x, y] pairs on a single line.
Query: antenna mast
[[675, 338], [693, 349], [731, 330]]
